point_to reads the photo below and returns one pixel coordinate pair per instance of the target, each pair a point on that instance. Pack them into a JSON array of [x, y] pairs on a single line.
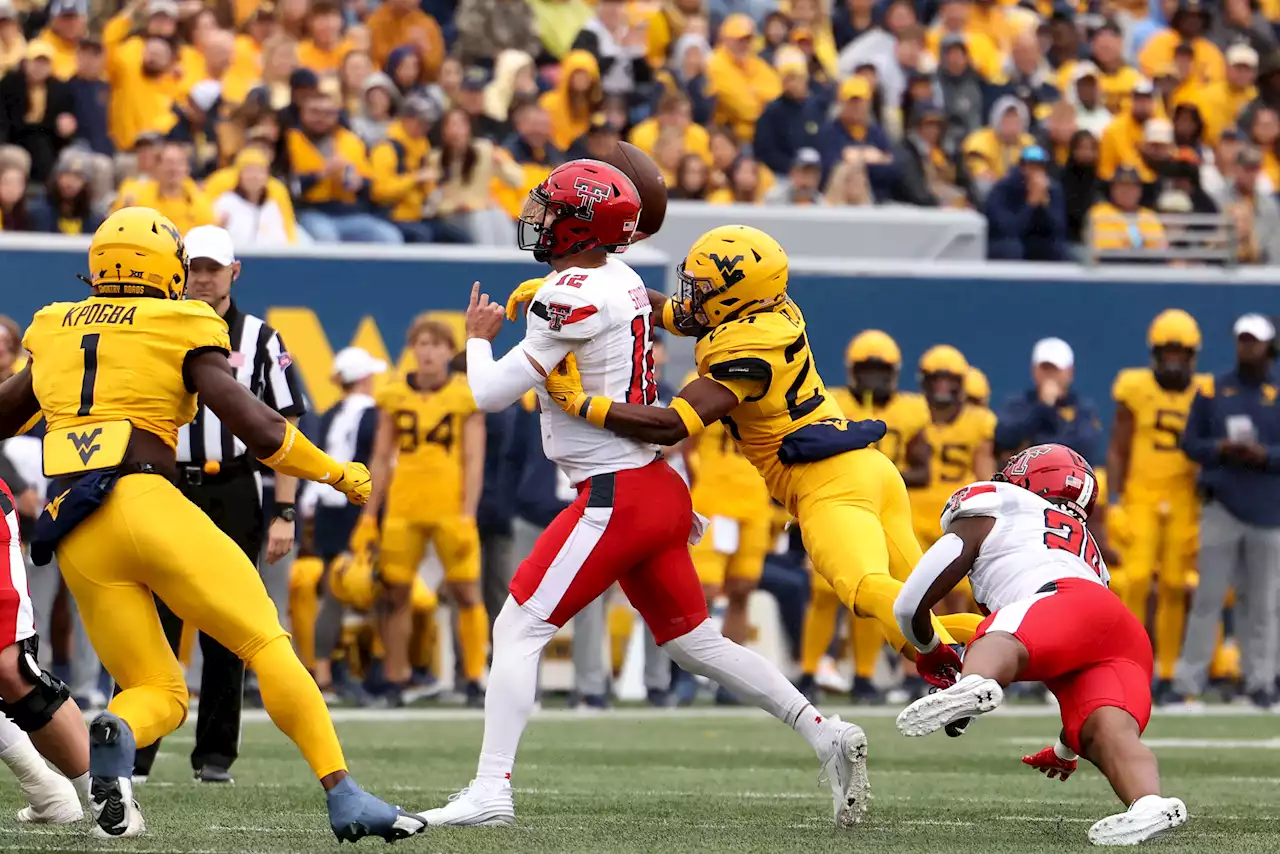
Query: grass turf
[[701, 782]]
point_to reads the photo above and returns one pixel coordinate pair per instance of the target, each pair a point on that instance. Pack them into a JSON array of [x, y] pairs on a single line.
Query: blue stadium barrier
[[993, 313]]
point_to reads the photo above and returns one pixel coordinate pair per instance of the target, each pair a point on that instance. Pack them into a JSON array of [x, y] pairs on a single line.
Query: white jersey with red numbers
[[602, 315], [17, 616], [1032, 543]]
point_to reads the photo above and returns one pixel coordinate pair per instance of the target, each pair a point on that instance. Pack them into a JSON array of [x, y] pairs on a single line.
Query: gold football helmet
[[1173, 327], [733, 271], [138, 251]]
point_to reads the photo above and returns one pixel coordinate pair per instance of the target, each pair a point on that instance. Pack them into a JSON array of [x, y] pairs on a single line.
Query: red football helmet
[[583, 205], [1056, 473]]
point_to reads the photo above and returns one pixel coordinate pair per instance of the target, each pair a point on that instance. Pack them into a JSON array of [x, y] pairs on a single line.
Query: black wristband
[[284, 510]]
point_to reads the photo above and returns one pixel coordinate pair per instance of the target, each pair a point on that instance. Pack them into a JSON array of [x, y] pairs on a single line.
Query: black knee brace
[[34, 711]]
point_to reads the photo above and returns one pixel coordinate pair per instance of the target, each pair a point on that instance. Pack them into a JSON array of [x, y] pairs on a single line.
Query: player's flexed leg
[[633, 521], [1021, 540]]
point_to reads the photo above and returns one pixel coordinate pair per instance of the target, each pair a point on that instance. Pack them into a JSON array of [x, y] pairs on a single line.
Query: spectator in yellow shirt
[[173, 193], [68, 24], [1222, 102], [1123, 137], [673, 20], [1122, 224], [1187, 26], [742, 83], [401, 179], [990, 152], [953, 20], [674, 114], [1264, 133], [13, 46], [402, 22], [324, 50], [1116, 78], [144, 88], [575, 98]]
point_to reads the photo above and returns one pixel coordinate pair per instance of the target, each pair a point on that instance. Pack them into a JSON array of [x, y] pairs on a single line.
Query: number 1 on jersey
[[89, 344]]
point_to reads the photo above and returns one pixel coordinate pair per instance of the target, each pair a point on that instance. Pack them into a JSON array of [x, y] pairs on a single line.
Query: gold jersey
[[953, 447], [1157, 464], [427, 483], [725, 482], [104, 366], [905, 416], [765, 359]]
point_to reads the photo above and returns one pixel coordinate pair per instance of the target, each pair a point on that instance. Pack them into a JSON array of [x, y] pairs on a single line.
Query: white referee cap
[[209, 241], [1256, 325], [353, 364]]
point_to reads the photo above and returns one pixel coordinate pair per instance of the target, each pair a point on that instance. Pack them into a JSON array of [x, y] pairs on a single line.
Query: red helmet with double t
[[1055, 473], [582, 205]]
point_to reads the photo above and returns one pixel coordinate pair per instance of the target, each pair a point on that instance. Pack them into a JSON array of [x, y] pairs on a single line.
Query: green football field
[[703, 781]]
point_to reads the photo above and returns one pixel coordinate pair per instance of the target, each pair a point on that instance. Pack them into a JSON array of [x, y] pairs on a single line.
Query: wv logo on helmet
[[728, 268], [86, 444]]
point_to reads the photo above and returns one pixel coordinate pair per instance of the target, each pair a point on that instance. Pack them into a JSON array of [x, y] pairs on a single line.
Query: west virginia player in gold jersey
[[430, 446], [729, 491], [756, 372], [115, 375], [874, 362], [977, 391], [1157, 522], [960, 438]]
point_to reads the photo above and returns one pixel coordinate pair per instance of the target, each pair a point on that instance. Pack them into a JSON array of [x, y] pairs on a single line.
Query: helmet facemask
[[874, 377], [1173, 366]]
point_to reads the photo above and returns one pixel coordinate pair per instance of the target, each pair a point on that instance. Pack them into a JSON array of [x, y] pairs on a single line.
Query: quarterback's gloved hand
[[355, 483], [523, 293], [1050, 764], [364, 535], [564, 384], [941, 667]]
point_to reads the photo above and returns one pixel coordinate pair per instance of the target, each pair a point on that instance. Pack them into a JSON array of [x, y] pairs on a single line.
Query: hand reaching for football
[[484, 318]]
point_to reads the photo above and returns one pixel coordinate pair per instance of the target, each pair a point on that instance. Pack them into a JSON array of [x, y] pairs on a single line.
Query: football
[[650, 184]]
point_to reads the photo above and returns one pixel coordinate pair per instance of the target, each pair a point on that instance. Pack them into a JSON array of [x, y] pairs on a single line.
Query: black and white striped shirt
[[261, 364]]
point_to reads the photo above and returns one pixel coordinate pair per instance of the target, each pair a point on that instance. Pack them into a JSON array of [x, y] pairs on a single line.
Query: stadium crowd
[[471, 493], [353, 120]]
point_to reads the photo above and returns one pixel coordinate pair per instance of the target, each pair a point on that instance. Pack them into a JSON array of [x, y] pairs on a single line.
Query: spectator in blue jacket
[[794, 120], [1027, 212], [854, 128], [89, 96], [1050, 412], [1233, 432], [495, 510]]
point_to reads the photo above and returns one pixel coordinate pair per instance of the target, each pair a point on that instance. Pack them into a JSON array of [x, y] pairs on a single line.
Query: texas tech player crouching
[[1037, 572], [633, 521], [38, 711]]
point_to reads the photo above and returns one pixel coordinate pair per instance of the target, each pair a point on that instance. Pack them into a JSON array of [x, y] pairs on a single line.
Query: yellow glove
[[364, 535], [564, 384], [1119, 527], [523, 293], [355, 483]]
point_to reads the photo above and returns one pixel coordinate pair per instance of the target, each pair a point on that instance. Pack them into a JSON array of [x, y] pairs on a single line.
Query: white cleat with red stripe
[[485, 803]]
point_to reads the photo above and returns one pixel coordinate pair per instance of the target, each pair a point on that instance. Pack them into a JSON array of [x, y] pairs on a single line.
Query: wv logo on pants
[[85, 444]]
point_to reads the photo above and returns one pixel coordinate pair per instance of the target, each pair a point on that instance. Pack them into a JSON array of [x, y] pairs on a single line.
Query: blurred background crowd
[[1073, 127]]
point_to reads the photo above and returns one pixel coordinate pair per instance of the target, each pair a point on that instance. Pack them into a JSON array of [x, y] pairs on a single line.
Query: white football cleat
[[1147, 818], [971, 696], [845, 768], [115, 813], [485, 803], [51, 800]]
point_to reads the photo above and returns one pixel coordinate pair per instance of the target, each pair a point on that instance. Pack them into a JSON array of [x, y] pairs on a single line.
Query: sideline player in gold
[[729, 558], [960, 437], [115, 375], [428, 462], [874, 362], [1157, 520], [756, 372]]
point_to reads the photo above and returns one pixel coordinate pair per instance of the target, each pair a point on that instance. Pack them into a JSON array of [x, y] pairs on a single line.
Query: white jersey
[[1032, 543], [603, 314]]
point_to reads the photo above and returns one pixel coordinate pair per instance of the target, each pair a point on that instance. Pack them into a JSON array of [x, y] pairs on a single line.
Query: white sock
[[750, 678], [518, 641], [82, 785], [25, 762]]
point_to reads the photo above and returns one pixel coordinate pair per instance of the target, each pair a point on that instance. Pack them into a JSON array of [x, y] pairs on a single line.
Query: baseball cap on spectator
[[1053, 351], [1084, 69], [205, 94], [1257, 325], [68, 7], [1035, 154], [1242, 54], [148, 137], [474, 79], [1126, 175], [252, 155], [1158, 130], [420, 107], [1143, 86], [212, 242], [1231, 133], [1169, 70], [954, 40], [168, 8], [72, 160], [353, 364], [39, 50], [303, 78], [801, 34], [738, 26], [922, 111], [600, 123], [790, 60], [7, 12], [1249, 157], [856, 86], [807, 157]]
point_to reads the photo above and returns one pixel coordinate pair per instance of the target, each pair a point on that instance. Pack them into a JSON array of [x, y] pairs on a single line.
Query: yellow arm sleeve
[[299, 457]]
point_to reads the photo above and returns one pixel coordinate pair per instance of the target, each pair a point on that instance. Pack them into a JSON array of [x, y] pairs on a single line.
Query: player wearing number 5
[[755, 371], [1157, 521], [959, 436], [429, 460]]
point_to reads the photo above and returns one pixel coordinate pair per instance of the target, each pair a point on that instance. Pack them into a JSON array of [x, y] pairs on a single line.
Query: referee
[[219, 476]]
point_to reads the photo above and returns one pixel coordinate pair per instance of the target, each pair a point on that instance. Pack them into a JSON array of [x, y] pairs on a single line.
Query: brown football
[[650, 184]]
